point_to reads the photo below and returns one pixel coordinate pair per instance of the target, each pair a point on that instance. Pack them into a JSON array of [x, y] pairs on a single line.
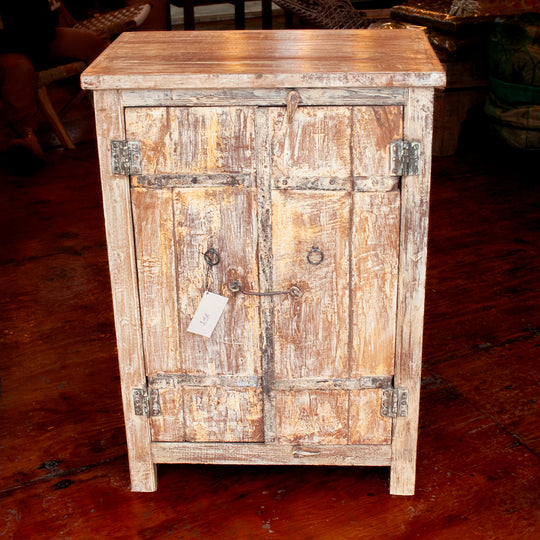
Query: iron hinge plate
[[126, 157], [146, 402], [395, 403], [405, 158]]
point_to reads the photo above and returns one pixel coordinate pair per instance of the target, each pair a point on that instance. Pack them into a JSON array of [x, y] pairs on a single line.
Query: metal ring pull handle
[[211, 257], [315, 256], [236, 286]]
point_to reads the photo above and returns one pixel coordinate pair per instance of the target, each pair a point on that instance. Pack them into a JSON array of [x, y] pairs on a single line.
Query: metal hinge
[[395, 402], [126, 157], [405, 158], [146, 402]]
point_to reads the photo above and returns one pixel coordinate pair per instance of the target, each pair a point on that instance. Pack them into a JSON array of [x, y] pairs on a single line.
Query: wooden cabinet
[[288, 172]]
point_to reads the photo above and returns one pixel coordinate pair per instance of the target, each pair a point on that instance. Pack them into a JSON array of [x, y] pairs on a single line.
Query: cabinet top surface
[[265, 59]]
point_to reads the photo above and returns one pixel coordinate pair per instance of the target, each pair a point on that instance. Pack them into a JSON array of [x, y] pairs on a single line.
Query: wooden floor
[[63, 456]]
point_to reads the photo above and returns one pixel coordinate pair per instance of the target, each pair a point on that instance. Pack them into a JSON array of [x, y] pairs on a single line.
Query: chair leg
[[48, 111], [266, 14], [189, 15], [239, 15], [75, 101]]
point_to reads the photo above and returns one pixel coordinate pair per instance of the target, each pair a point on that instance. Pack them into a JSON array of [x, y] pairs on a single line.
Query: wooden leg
[[143, 476], [48, 111]]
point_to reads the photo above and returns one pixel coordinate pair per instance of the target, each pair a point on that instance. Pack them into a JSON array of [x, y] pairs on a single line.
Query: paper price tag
[[207, 314]]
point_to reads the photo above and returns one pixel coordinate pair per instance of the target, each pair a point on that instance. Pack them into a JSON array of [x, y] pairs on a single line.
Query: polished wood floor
[[63, 462]]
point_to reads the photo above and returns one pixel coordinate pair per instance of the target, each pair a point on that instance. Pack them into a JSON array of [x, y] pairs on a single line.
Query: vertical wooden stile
[[266, 281], [411, 289], [122, 265]]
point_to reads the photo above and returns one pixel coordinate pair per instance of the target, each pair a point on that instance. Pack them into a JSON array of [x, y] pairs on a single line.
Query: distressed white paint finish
[[418, 125], [193, 140], [374, 128], [272, 454], [262, 59], [315, 143], [311, 332], [223, 168], [374, 275], [156, 266], [223, 414], [366, 425], [312, 417], [170, 424], [264, 97], [122, 265]]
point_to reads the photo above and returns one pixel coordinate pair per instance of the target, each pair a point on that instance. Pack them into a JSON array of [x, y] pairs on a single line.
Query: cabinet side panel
[[156, 266], [224, 219], [374, 261], [311, 332]]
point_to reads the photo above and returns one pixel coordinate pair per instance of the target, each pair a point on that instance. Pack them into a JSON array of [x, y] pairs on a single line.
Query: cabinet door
[[196, 192], [335, 232]]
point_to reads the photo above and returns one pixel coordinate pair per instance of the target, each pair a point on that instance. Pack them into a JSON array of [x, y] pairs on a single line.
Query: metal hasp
[[405, 158], [146, 402], [236, 286], [395, 403], [126, 157]]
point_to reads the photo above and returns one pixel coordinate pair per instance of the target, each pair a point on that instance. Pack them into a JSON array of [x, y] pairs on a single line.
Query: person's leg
[[18, 83], [77, 44]]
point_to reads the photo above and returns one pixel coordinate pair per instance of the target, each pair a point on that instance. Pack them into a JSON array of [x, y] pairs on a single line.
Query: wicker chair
[[113, 23], [330, 14], [109, 25]]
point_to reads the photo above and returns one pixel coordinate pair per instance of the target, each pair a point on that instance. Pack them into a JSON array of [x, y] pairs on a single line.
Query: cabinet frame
[[400, 455]]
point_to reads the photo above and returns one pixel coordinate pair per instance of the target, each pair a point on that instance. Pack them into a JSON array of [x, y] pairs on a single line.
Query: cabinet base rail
[[271, 454]]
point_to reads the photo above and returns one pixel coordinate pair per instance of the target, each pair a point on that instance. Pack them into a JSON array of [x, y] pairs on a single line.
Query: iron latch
[[405, 158], [146, 402], [395, 403], [126, 157]]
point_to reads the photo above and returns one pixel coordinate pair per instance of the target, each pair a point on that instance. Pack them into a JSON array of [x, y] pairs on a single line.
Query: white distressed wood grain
[[122, 264], [418, 125]]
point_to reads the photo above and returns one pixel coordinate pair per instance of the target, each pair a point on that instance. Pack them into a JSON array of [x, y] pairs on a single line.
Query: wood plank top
[[266, 59]]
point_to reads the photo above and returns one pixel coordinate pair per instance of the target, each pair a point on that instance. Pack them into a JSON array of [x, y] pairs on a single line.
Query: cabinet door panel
[[169, 426], [311, 332], [366, 424], [198, 140], [175, 223], [374, 128], [225, 220], [343, 327], [316, 143], [153, 223], [374, 265], [312, 417], [223, 415]]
